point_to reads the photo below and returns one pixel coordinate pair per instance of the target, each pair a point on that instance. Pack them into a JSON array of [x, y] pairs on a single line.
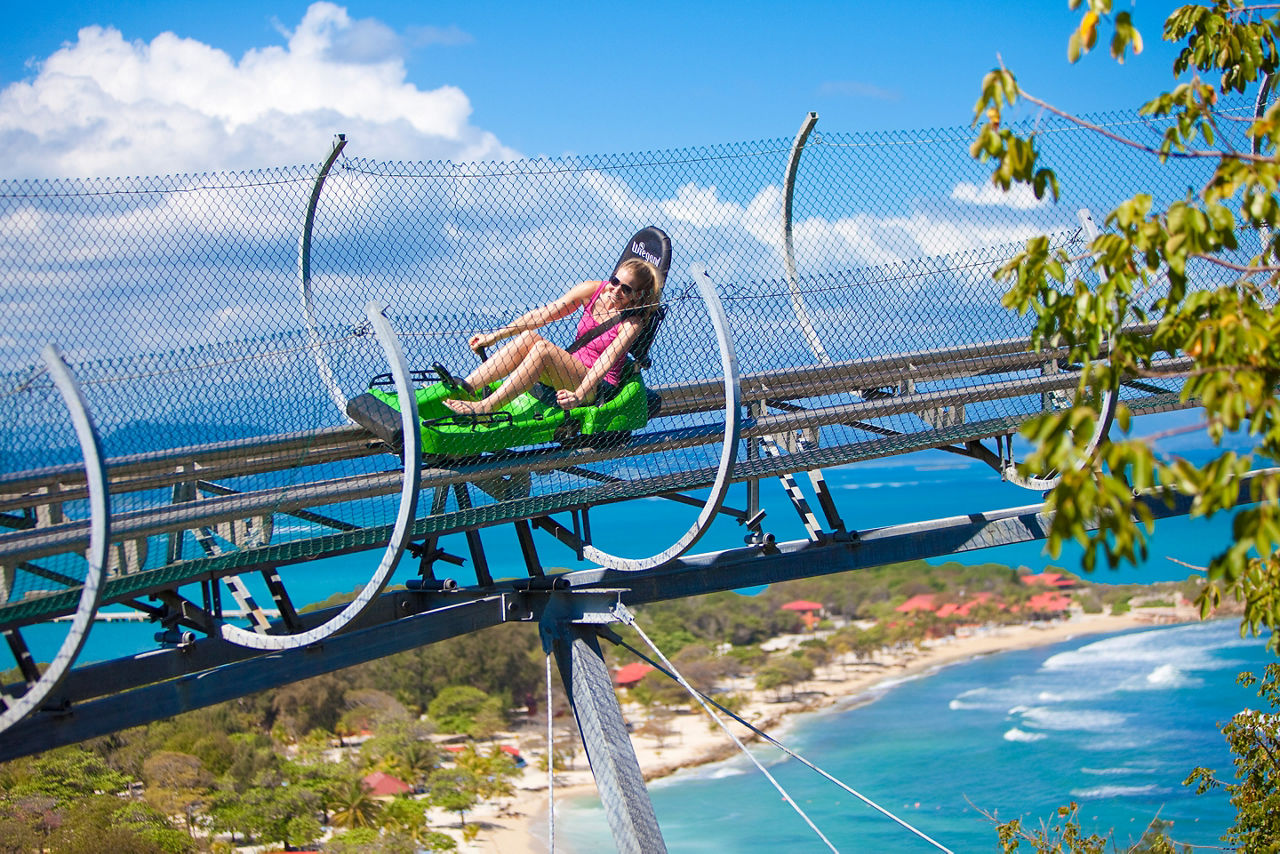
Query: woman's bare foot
[[466, 407]]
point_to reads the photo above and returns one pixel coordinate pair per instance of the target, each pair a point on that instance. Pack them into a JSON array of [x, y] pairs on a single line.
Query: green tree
[[327, 781], [316, 703], [1168, 278], [407, 817], [455, 790], [264, 813], [493, 770], [1110, 308], [67, 774], [354, 807], [106, 823], [1254, 739], [26, 823], [177, 784], [466, 709], [784, 671], [252, 759], [657, 689], [402, 748]]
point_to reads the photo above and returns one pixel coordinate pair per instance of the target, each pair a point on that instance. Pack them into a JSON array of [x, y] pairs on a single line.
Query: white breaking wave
[[959, 705], [1117, 772], [1016, 734], [1169, 676], [1189, 647], [1104, 792], [726, 771], [1066, 720], [888, 484]]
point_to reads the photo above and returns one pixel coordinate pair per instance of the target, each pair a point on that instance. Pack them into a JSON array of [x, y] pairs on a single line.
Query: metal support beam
[[604, 734], [524, 533]]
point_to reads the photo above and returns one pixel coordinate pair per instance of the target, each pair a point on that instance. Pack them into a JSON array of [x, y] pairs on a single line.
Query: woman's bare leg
[[544, 361], [503, 362]]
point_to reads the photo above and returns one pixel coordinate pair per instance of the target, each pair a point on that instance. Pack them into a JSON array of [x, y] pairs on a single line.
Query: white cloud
[[1019, 196], [105, 106]]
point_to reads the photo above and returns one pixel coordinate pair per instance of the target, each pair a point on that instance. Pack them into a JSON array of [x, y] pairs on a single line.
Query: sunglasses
[[626, 289]]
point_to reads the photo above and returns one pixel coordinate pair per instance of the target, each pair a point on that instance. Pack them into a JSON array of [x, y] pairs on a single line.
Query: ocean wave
[[888, 484], [1117, 772], [1169, 676], [1189, 647], [1016, 734], [725, 771], [961, 705], [1104, 792], [1067, 720]]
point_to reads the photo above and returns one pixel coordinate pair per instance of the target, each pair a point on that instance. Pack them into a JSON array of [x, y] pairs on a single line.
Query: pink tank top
[[590, 352]]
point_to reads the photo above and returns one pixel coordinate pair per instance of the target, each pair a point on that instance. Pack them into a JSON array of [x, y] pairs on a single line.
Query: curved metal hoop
[[1106, 414], [404, 518], [99, 541], [304, 275], [1106, 409], [728, 450], [788, 241]]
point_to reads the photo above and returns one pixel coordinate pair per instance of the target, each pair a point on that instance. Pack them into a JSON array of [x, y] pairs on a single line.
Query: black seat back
[[653, 245]]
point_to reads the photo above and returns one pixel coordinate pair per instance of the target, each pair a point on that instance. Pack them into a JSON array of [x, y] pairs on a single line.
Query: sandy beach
[[518, 825]]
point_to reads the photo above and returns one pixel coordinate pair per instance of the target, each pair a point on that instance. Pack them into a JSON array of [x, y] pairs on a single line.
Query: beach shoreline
[[519, 825]]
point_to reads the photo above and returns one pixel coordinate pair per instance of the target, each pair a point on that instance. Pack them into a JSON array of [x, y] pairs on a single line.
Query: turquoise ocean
[[1114, 723]]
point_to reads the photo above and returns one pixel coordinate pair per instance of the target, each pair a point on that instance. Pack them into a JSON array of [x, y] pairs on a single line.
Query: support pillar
[[604, 734]]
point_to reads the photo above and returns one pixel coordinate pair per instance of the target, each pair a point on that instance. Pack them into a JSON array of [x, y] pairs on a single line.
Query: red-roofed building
[[954, 609], [1050, 601], [1048, 579], [919, 602], [807, 610], [630, 674], [383, 785], [514, 754], [978, 599]]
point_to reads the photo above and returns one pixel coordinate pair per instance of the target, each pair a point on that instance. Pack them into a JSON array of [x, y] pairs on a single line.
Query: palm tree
[[355, 807], [414, 761]]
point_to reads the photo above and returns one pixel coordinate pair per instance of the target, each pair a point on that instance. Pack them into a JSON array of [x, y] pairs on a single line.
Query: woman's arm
[[627, 332], [573, 299]]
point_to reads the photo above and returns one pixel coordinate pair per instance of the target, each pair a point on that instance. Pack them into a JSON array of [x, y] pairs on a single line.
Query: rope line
[[700, 696], [675, 674], [551, 769]]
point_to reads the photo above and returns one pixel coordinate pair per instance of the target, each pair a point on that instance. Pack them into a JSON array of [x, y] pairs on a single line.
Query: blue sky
[[507, 79]]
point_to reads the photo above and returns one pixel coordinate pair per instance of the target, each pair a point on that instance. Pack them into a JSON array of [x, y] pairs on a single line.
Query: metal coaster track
[[29, 494]]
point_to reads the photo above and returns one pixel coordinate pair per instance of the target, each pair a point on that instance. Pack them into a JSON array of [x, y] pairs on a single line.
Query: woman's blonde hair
[[647, 280]]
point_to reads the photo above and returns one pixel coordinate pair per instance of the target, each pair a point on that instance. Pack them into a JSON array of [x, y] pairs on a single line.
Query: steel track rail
[[38, 609], [26, 545], [158, 469]]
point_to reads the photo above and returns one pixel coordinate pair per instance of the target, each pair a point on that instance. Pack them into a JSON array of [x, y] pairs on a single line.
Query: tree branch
[[1188, 154], [1239, 268]]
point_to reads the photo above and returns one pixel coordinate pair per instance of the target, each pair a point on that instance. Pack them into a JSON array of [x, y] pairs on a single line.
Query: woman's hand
[[568, 399], [480, 341]]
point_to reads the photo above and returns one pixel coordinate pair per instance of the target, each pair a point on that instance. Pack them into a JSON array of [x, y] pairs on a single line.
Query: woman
[[633, 292]]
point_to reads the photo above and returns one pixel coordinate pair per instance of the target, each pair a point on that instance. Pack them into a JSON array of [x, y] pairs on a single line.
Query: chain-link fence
[[219, 332]]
